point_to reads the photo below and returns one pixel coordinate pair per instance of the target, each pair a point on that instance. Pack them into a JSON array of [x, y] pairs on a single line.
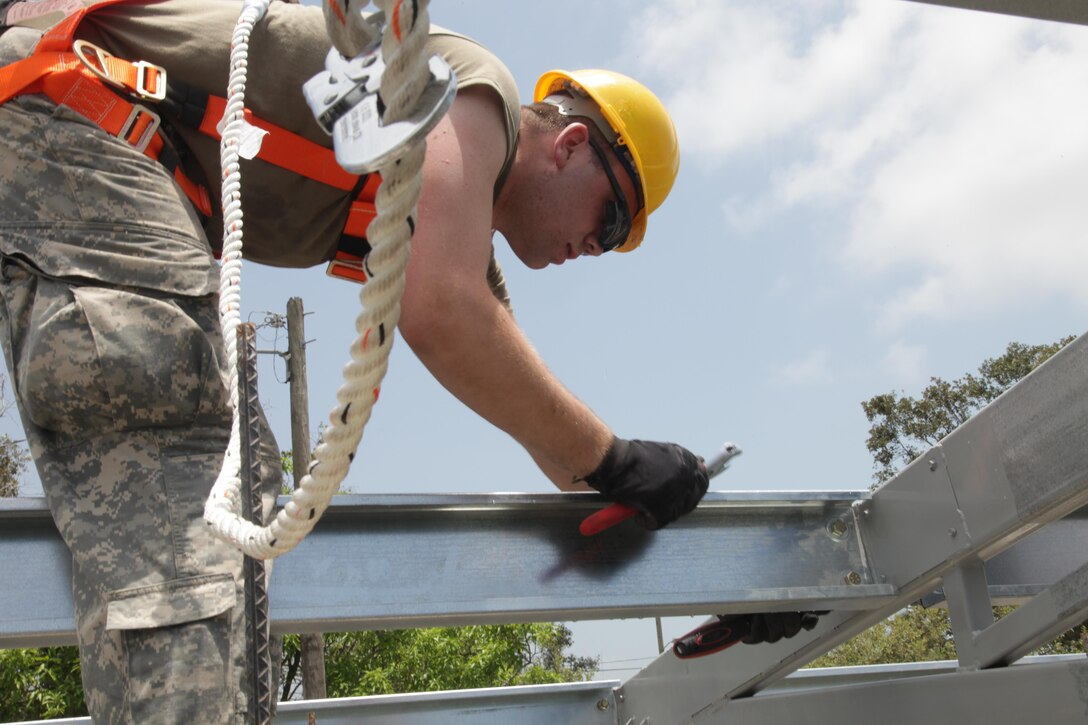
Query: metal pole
[[256, 581], [312, 646]]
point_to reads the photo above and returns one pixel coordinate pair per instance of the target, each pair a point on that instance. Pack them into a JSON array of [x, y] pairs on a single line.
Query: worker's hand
[[774, 626], [663, 481]]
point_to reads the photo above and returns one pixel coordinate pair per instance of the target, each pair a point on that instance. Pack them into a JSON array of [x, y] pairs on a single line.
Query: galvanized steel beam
[[1055, 693], [1060, 607], [404, 561], [828, 695], [1065, 11], [581, 703]]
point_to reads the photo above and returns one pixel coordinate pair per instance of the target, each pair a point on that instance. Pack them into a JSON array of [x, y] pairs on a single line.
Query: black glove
[[774, 626], [662, 480]]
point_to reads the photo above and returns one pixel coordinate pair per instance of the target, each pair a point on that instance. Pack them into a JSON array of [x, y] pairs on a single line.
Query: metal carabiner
[[344, 100]]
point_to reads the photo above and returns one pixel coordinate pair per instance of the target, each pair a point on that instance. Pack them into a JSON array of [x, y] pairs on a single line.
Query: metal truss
[[994, 512], [950, 522], [1066, 11]]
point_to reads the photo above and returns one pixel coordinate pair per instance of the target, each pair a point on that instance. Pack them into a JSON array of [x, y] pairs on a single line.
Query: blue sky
[[871, 192]]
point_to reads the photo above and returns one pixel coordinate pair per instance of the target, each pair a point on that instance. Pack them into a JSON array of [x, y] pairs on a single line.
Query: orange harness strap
[[78, 80], [90, 81]]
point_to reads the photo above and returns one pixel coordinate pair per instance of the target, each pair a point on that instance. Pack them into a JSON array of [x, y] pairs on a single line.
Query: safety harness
[[116, 94]]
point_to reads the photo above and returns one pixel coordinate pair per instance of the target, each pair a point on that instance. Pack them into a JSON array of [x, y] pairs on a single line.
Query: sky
[[871, 192]]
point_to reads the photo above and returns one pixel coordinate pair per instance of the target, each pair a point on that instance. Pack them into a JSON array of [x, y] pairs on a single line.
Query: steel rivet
[[602, 704], [952, 532], [932, 465]]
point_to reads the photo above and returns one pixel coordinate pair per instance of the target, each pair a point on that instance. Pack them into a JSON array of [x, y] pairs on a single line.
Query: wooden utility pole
[[312, 645]]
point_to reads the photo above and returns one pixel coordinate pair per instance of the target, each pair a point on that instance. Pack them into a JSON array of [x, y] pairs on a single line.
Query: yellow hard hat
[[641, 126]]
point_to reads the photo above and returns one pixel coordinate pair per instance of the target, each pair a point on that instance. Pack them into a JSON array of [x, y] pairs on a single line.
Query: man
[[109, 305]]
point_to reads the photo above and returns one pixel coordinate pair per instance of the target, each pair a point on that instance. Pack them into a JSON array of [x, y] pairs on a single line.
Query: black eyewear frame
[[617, 216]]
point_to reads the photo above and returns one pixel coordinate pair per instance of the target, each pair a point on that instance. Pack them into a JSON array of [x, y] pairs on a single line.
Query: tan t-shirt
[[290, 221]]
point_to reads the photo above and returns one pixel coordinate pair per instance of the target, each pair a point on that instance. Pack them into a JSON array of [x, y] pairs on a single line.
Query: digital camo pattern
[[110, 329], [110, 213]]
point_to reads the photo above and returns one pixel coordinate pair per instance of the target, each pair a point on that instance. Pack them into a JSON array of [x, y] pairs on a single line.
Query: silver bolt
[[852, 578], [837, 528], [602, 704]]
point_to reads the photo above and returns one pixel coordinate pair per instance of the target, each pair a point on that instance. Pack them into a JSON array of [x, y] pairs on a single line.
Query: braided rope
[[390, 233]]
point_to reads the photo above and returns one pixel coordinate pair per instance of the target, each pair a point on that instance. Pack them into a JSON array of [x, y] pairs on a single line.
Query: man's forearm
[[475, 349], [562, 478]]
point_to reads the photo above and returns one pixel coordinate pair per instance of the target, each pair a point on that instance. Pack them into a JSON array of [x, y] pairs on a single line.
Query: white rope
[[389, 234]]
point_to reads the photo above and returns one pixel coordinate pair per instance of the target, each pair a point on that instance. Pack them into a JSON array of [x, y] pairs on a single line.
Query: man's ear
[[569, 140]]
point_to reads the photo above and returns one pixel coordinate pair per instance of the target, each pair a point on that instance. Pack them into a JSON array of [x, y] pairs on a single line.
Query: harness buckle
[[348, 266], [150, 81], [96, 60], [157, 74], [139, 128]]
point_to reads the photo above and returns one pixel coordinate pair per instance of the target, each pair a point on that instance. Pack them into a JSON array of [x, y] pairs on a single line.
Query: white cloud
[[815, 367], [953, 143], [904, 365]]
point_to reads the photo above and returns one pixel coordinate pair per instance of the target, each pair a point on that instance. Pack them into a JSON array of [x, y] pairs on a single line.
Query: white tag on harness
[[250, 138]]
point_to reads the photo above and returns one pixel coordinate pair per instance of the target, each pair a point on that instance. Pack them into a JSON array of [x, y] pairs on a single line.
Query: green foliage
[[918, 634], [903, 427], [915, 634], [445, 658], [13, 460], [13, 456], [38, 684], [287, 463], [45, 683]]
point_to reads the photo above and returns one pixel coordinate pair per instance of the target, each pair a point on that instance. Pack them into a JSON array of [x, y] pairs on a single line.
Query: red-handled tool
[[617, 513], [607, 517], [714, 636]]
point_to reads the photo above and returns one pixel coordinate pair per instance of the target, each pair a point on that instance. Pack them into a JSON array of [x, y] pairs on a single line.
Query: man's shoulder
[[476, 67], [473, 62]]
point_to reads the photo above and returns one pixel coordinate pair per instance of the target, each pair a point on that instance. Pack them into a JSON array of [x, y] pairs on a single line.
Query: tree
[[40, 683], [45, 682], [13, 457], [443, 658], [915, 634], [902, 429], [13, 460], [920, 634]]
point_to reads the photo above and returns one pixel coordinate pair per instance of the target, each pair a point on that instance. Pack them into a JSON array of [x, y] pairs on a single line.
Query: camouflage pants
[[127, 446], [118, 373]]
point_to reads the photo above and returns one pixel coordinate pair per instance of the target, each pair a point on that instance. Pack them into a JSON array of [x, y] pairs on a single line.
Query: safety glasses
[[617, 216]]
